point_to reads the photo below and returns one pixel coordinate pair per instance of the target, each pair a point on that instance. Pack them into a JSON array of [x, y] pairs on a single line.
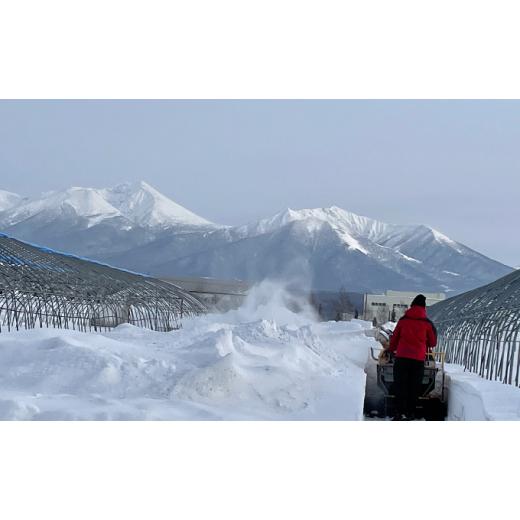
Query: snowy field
[[262, 361]]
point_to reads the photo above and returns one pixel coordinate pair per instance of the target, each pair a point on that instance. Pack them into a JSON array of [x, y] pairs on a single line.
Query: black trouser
[[408, 376]]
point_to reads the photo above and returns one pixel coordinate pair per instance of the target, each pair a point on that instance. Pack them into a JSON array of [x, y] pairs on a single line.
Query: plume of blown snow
[[272, 300], [268, 300]]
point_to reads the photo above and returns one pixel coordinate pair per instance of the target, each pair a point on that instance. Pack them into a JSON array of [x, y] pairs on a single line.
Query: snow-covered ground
[[262, 361], [472, 398]]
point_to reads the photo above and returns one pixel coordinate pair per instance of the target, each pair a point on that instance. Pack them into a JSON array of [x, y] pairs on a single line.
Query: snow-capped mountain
[[134, 226], [80, 203], [138, 202], [8, 200], [146, 207], [328, 248], [96, 222]]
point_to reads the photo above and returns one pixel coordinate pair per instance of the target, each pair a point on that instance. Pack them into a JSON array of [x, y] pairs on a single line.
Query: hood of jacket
[[416, 312]]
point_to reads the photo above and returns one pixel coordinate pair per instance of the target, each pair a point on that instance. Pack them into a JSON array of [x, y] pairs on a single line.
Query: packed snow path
[[470, 397], [260, 362]]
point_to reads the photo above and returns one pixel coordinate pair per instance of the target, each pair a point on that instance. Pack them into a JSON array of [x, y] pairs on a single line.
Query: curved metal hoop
[[480, 329], [40, 287]]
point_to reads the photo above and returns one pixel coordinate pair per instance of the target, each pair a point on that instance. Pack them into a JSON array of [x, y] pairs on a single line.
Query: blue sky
[[453, 165]]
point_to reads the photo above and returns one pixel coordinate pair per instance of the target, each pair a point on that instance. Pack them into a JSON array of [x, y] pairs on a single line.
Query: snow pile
[[472, 398], [268, 360], [389, 325]]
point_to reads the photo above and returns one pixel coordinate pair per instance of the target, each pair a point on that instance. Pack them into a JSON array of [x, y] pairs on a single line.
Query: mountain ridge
[[8, 200], [138, 202], [134, 226]]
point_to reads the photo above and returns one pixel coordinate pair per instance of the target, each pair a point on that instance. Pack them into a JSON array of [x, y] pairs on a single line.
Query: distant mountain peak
[[442, 238], [83, 202], [328, 248], [146, 206], [9, 200], [137, 202], [351, 228], [132, 186]]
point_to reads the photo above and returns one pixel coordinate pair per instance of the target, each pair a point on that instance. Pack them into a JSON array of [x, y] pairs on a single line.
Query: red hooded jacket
[[413, 335]]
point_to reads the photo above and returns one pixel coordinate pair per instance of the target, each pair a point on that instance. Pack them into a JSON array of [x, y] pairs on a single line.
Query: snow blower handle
[[374, 357]]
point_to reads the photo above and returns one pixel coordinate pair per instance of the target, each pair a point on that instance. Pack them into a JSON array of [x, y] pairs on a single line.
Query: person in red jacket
[[413, 337]]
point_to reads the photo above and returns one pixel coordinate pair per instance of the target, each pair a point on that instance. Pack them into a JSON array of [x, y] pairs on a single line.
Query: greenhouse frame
[[40, 287], [480, 329]]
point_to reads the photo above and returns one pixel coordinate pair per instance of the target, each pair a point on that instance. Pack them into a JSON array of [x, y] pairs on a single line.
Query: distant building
[[393, 304]]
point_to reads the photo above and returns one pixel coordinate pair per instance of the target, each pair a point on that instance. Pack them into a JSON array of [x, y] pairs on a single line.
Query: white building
[[383, 306]]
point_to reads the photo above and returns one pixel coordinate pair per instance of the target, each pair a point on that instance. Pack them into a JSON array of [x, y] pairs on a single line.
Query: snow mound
[[389, 325], [472, 398], [263, 361]]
